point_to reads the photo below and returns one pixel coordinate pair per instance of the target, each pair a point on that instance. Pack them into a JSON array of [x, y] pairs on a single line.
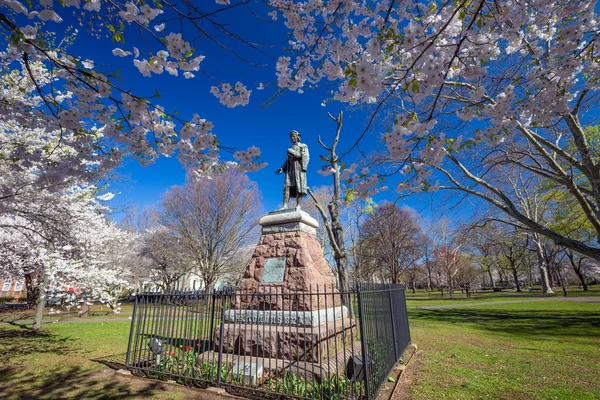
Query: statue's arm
[[296, 153], [305, 158]]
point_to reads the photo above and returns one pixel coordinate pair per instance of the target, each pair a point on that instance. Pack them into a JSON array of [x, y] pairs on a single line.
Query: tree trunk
[[492, 283], [516, 277], [338, 235], [429, 281], [546, 287], [530, 274], [577, 270], [41, 302], [581, 279], [562, 281], [543, 265], [209, 286], [31, 286]]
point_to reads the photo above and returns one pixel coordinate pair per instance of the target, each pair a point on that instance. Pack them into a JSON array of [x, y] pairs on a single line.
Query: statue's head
[[295, 136]]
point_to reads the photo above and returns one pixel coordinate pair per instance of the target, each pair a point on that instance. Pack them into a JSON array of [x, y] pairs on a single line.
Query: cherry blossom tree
[[49, 88], [80, 248], [465, 89], [468, 87]]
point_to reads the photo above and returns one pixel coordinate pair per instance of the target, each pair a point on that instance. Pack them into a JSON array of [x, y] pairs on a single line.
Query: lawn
[[427, 299], [531, 350], [62, 362], [95, 311]]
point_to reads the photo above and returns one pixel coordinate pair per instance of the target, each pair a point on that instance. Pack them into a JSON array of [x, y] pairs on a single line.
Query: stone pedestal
[[288, 236], [287, 306], [294, 343]]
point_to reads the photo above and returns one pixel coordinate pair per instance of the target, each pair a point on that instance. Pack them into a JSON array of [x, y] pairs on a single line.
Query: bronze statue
[[295, 171]]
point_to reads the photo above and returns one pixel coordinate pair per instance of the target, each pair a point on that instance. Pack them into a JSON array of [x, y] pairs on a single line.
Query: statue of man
[[295, 171]]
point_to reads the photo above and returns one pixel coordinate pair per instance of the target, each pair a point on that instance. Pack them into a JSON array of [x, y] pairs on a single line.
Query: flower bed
[[183, 366]]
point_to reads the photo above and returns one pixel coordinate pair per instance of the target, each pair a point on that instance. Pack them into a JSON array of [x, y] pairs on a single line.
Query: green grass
[[530, 350], [58, 363], [534, 350], [95, 311], [426, 299]]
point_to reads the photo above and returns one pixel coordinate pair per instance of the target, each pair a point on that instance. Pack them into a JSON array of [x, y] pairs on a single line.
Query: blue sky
[[241, 127]]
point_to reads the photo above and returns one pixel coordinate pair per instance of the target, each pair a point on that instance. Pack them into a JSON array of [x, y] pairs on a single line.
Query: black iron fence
[[314, 344]]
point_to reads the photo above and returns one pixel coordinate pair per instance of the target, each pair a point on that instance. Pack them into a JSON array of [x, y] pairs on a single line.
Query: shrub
[[6, 299]]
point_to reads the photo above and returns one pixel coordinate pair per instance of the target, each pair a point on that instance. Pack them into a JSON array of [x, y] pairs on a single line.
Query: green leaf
[[390, 379], [415, 87]]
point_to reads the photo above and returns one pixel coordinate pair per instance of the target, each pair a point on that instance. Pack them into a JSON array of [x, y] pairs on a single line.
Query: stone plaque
[[250, 372], [274, 270]]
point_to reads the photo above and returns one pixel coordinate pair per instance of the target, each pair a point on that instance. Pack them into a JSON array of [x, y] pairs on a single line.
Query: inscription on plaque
[[274, 270]]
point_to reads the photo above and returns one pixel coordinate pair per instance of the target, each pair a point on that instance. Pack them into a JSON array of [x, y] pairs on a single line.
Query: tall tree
[[395, 240], [214, 217], [436, 67], [333, 223]]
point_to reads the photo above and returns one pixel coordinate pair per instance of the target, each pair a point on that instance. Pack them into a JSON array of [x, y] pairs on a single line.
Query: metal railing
[[314, 344]]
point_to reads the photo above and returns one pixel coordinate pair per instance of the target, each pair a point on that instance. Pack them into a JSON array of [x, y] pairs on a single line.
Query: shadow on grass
[[70, 383], [22, 342], [113, 361], [522, 323]]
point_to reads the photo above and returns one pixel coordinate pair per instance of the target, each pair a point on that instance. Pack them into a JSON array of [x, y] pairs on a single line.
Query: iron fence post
[[127, 357], [363, 345], [393, 323], [212, 317], [406, 313], [221, 330]]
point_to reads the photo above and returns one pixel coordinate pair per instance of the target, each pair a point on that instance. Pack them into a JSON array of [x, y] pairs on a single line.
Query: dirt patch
[[402, 376], [150, 387], [408, 377]]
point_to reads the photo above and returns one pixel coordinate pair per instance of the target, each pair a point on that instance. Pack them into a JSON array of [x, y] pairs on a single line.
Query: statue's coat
[[295, 169]]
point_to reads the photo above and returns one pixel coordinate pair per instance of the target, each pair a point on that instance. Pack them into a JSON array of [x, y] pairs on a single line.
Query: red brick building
[[12, 288]]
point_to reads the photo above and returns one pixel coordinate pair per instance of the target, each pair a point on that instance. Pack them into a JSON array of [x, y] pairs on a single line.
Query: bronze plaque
[[274, 270]]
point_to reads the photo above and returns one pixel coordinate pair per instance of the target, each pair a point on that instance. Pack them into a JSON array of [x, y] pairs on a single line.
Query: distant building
[[13, 288]]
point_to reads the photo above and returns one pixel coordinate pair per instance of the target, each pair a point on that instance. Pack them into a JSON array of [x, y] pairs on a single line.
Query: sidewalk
[[587, 299]]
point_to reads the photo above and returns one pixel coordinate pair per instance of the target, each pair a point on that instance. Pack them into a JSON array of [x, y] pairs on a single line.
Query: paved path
[[78, 320], [585, 299], [75, 320]]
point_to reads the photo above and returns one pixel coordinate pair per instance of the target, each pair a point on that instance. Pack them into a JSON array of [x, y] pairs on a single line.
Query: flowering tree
[[78, 99], [471, 85], [452, 264], [466, 88], [65, 123], [81, 248], [108, 262]]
